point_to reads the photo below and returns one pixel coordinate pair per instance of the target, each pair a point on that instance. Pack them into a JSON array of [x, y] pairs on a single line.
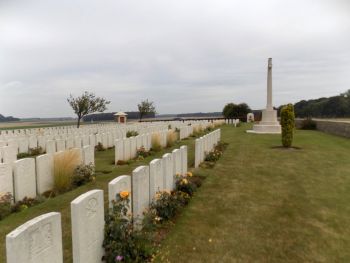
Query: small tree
[[232, 110], [287, 123], [146, 107], [87, 103]]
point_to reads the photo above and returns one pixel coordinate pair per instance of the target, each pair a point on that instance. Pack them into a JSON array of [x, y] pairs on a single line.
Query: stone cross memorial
[[269, 123]]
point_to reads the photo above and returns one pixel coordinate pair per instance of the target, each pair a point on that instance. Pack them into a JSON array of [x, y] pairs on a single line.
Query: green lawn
[[261, 204], [258, 204]]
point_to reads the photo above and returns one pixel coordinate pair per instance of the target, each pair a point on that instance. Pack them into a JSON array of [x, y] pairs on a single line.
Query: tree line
[[332, 107]]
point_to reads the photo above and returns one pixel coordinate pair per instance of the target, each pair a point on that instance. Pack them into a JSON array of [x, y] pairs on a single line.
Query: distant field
[[36, 124]]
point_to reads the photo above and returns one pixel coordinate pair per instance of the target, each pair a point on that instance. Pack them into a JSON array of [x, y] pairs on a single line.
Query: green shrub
[[131, 134], [25, 203], [184, 184], [99, 147], [36, 151], [164, 206], [83, 174], [123, 242], [31, 153], [308, 124], [141, 152], [5, 204], [287, 123]]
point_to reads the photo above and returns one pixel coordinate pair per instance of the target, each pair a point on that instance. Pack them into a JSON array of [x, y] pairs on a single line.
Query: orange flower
[[124, 194]]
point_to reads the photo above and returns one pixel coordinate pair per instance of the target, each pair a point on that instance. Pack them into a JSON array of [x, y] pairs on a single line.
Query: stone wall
[[338, 128]]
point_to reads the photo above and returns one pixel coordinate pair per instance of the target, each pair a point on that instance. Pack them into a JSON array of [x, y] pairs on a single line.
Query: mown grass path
[[262, 204]]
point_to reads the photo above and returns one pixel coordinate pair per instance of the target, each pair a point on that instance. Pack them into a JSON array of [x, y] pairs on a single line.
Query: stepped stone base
[[268, 124]]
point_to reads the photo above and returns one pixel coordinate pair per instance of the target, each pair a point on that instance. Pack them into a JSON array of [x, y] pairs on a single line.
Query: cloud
[[186, 56]]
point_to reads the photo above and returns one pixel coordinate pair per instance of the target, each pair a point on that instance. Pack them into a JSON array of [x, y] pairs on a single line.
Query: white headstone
[[44, 173], [119, 151], [140, 192], [50, 146], [117, 185], [9, 154], [177, 161], [127, 154], [89, 155], [36, 241], [156, 183], [184, 158], [24, 178], [87, 214], [168, 171], [60, 145], [133, 149], [6, 180]]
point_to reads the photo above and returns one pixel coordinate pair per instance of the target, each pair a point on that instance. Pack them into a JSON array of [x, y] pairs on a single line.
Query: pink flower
[[118, 258]]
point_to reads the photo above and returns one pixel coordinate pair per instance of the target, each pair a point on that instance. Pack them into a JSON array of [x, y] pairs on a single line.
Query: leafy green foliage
[[99, 147], [308, 124], [288, 124], [131, 134], [83, 174], [5, 205], [332, 107], [32, 153], [146, 107], [236, 111], [123, 242], [87, 103]]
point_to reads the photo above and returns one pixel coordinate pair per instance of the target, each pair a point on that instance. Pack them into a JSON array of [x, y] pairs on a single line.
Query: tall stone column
[[269, 85], [269, 122]]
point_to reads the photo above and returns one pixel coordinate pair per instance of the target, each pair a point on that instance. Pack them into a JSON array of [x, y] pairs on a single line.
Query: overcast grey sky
[[185, 55]]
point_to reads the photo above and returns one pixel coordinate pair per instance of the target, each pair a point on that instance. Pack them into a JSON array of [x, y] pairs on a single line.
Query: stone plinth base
[[266, 129], [268, 124]]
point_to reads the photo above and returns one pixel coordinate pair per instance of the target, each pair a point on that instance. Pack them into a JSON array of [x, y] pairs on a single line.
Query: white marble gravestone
[[24, 178], [36, 241], [87, 215], [117, 185], [184, 158], [126, 146], [88, 155], [50, 146], [60, 145], [156, 179], [77, 142], [168, 171], [140, 192], [9, 154], [133, 149], [6, 180], [118, 150], [177, 161], [44, 173]]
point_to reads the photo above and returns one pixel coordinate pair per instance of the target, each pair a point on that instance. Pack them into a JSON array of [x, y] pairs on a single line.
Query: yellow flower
[[189, 174], [178, 175], [184, 181], [124, 194]]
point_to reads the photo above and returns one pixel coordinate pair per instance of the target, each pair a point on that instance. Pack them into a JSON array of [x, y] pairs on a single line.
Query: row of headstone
[[69, 138], [234, 122], [185, 132], [126, 148], [40, 239], [29, 177], [204, 145]]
